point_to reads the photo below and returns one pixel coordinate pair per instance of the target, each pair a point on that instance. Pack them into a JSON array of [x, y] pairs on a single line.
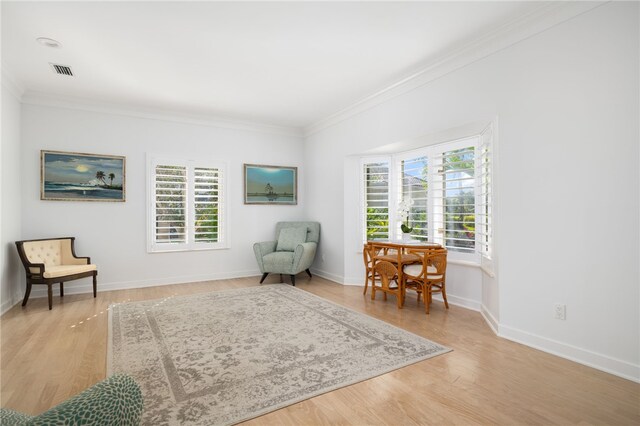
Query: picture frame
[[75, 176], [270, 185]]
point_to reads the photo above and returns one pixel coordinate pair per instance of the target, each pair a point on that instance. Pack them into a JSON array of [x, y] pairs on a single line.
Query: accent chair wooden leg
[[309, 273], [281, 279], [61, 289], [366, 282], [26, 294], [293, 280], [50, 294], [263, 277], [95, 285]]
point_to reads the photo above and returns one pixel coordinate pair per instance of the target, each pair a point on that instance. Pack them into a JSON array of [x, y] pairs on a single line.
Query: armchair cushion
[[65, 270], [289, 238], [278, 262]]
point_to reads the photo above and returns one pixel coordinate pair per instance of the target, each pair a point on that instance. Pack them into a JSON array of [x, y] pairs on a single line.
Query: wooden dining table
[[395, 251]]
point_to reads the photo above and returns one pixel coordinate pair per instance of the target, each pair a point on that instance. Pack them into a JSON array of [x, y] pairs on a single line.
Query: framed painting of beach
[[73, 176], [270, 184]]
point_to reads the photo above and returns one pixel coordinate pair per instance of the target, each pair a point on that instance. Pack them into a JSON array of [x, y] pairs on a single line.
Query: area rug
[[224, 357]]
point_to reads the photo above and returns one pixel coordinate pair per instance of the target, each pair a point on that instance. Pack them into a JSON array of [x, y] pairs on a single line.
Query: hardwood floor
[[49, 356]]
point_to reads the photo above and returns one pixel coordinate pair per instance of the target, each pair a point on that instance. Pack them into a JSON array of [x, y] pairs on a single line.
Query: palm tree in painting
[[111, 178], [100, 176]]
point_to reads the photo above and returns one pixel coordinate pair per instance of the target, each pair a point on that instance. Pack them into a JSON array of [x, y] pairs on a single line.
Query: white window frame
[[190, 245], [434, 153], [363, 196], [476, 139]]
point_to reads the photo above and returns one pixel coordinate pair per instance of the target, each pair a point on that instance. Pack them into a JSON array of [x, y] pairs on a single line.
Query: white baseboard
[[459, 301], [87, 287], [328, 275], [490, 319], [602, 362], [8, 304]]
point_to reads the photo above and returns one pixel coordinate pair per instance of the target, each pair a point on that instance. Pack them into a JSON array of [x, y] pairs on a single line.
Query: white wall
[[114, 234], [566, 222], [10, 182]]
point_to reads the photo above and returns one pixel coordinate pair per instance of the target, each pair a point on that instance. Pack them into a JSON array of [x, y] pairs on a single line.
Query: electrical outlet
[[560, 311]]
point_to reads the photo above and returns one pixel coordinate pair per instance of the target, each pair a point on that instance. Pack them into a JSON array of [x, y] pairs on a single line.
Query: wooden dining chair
[[369, 251], [388, 274], [427, 277], [368, 267]]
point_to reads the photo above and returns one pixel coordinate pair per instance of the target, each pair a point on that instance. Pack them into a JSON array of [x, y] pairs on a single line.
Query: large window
[[442, 192], [186, 205], [376, 199]]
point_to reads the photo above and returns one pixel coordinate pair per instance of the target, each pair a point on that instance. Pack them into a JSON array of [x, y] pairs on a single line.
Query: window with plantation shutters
[[441, 193], [207, 202], [186, 205], [413, 188], [375, 201], [170, 204], [454, 197], [484, 181]]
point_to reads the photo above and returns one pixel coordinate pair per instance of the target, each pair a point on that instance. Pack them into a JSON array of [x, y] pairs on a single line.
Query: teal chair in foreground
[[292, 253], [116, 401]]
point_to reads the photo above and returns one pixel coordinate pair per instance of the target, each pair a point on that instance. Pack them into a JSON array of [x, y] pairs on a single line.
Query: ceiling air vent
[[62, 69]]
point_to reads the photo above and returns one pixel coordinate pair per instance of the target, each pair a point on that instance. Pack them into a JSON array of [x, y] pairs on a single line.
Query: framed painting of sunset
[[270, 184], [72, 176]]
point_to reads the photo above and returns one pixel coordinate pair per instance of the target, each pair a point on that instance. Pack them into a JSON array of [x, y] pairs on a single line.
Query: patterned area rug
[[228, 356]]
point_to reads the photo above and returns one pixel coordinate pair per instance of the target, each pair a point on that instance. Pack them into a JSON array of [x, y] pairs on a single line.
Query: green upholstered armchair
[[116, 401], [292, 253]]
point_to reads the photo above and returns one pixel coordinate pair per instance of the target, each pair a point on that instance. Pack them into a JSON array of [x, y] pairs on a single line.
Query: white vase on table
[[406, 236]]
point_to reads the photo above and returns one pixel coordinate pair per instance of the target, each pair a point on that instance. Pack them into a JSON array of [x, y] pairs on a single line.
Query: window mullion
[[478, 195], [436, 196], [190, 207], [395, 189]]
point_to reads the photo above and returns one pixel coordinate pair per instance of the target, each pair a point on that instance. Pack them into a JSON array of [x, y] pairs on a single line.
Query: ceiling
[[282, 63]]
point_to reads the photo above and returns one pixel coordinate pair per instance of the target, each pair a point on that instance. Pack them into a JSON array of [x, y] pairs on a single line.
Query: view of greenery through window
[[171, 186], [377, 200], [171, 201], [459, 199], [452, 184], [207, 193], [414, 176]]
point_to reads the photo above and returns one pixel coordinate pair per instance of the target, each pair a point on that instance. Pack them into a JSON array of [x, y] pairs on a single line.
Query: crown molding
[[541, 19], [83, 104], [11, 84]]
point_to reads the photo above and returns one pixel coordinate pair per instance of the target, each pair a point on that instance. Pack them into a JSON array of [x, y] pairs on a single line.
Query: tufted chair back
[[54, 252], [45, 251]]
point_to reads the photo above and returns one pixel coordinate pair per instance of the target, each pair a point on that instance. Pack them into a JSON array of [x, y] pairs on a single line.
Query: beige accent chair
[[51, 261]]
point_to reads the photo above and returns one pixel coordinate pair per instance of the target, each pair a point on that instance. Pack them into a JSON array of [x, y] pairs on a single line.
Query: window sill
[[463, 263], [488, 271], [483, 268], [174, 250]]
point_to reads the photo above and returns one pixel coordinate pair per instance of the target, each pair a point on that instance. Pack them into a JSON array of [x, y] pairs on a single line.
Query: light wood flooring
[[49, 356]]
